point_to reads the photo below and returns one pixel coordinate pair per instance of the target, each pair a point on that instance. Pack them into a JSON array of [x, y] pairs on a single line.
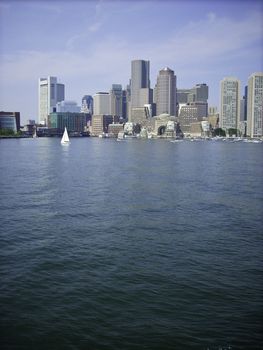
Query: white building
[[230, 103], [255, 105], [68, 106], [101, 103], [49, 93]]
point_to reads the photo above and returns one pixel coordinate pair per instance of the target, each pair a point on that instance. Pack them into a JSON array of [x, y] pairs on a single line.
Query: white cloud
[[197, 50]]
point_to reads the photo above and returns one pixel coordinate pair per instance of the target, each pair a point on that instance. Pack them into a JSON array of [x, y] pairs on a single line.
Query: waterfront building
[[50, 92], [165, 93], [230, 103], [100, 124], [140, 79], [141, 115], [87, 104], [67, 106], [116, 100], [191, 112], [101, 103], [10, 121], [188, 114], [74, 122], [114, 129], [255, 105]]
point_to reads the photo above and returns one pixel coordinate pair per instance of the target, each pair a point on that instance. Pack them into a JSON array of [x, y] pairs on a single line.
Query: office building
[[116, 102], [101, 103], [49, 94], [100, 124], [10, 121], [74, 122], [67, 106], [140, 78], [230, 103], [87, 104], [199, 93], [182, 95], [165, 93], [255, 105]]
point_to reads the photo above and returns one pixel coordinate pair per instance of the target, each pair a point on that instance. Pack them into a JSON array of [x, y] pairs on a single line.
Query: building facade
[[165, 94], [50, 92], [229, 103], [255, 105], [100, 124], [74, 122], [140, 78], [67, 106], [101, 103], [116, 102], [87, 104], [10, 121]]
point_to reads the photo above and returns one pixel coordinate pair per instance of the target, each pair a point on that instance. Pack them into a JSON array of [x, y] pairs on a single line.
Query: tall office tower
[[50, 92], [255, 105], [116, 100], [101, 102], [146, 96], [124, 104], [87, 104], [166, 92], [140, 78], [230, 103], [199, 93], [182, 95]]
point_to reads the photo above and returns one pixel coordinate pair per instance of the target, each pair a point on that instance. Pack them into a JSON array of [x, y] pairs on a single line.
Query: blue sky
[[89, 45]]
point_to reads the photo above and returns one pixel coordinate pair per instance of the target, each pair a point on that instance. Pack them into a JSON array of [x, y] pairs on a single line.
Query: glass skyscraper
[[140, 78]]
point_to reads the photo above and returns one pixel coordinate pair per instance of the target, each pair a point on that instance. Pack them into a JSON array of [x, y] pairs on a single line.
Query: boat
[[120, 136], [65, 138]]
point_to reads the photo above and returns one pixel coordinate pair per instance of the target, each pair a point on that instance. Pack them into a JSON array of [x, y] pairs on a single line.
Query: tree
[[219, 132]]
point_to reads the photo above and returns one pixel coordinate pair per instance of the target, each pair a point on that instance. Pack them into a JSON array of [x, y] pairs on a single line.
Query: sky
[[89, 45]]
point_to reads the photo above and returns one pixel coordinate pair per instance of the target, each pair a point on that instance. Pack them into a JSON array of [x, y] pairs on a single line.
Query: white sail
[[65, 138]]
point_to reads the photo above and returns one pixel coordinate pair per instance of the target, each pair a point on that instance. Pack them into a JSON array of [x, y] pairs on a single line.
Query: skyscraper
[[87, 104], [101, 103], [140, 78], [166, 92], [116, 100], [230, 103], [49, 93], [199, 93], [255, 105]]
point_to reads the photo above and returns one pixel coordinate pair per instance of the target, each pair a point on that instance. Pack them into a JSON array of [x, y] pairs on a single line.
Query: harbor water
[[140, 244]]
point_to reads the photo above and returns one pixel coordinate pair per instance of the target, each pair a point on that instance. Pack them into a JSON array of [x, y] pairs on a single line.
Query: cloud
[[95, 26], [196, 43], [213, 46]]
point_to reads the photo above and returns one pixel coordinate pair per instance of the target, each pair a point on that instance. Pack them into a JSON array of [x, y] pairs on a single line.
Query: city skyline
[[89, 45]]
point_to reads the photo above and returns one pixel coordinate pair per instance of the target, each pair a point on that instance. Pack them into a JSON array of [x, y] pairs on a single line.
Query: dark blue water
[[131, 245]]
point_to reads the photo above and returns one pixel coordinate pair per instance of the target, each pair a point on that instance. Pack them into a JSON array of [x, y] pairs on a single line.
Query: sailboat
[[65, 138], [35, 133]]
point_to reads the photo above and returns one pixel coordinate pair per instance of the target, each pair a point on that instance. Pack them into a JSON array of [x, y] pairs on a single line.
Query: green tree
[[219, 132]]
